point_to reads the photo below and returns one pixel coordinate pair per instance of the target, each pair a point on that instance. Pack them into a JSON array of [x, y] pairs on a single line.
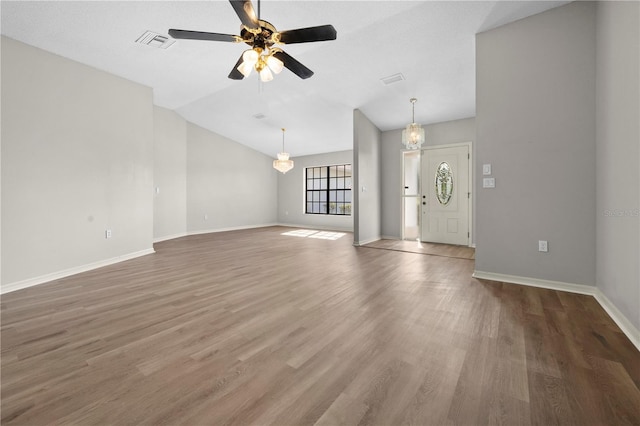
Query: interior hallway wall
[[618, 156], [535, 123]]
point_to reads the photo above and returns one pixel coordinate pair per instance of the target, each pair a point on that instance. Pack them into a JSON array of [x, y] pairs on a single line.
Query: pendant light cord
[[283, 139]]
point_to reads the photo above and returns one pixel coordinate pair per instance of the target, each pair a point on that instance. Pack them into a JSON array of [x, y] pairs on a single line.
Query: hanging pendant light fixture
[[283, 164], [413, 134]]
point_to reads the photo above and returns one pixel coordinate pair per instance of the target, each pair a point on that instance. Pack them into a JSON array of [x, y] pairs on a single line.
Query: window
[[328, 190]]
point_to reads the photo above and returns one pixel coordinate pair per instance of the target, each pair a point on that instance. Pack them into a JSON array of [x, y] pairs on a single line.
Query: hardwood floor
[[254, 327]]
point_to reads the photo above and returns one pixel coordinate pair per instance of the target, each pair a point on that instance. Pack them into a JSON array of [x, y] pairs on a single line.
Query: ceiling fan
[[262, 36]]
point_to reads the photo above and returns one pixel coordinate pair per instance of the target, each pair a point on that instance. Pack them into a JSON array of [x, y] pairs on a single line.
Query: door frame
[[403, 197], [469, 144]]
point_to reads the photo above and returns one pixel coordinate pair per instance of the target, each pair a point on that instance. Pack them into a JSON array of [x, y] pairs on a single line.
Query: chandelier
[[263, 61], [283, 164], [413, 134]]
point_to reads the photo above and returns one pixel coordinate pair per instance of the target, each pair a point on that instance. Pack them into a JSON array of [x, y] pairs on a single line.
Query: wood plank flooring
[[253, 328]]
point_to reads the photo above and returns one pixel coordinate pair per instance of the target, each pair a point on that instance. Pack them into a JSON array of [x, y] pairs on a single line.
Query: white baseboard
[[389, 237], [618, 317], [232, 228], [18, 285], [370, 240], [535, 282], [169, 237]]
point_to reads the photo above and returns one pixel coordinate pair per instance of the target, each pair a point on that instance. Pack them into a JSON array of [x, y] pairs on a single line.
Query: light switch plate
[[489, 182], [486, 169], [543, 246]]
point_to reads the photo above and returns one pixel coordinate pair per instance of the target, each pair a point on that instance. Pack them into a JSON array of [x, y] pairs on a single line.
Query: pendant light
[[283, 164], [413, 134]]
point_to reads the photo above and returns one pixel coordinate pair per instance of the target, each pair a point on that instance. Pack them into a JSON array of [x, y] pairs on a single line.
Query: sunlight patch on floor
[[308, 233]]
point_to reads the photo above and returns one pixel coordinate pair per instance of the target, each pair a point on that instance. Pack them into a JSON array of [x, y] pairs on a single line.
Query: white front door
[[445, 195]]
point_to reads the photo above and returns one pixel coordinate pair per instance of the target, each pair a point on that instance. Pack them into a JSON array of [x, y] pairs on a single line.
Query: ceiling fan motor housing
[[263, 37]]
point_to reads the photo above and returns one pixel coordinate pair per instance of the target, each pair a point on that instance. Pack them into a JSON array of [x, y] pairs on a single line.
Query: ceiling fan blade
[[244, 10], [199, 35], [293, 65], [305, 35], [235, 74]]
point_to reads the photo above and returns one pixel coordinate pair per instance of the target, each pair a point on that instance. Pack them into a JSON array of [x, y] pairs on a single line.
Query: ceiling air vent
[[152, 39], [259, 116], [392, 79]]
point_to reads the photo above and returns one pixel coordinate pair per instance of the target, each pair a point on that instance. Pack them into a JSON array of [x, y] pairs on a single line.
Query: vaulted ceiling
[[431, 43]]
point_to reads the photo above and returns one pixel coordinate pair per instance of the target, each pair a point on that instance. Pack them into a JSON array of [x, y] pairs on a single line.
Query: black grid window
[[328, 190]]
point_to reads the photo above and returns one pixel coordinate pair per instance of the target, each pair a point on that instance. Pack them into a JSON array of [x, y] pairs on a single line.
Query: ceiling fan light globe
[[265, 75], [245, 68], [275, 64], [251, 56]]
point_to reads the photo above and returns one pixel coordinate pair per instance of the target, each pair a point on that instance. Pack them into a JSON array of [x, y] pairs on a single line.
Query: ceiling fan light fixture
[[265, 74], [249, 59], [413, 134], [245, 68], [261, 36], [275, 64]]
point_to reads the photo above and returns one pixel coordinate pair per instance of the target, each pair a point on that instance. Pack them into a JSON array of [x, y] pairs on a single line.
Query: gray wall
[[77, 158], [291, 194], [232, 184], [170, 174], [366, 180], [618, 156], [444, 133], [535, 124]]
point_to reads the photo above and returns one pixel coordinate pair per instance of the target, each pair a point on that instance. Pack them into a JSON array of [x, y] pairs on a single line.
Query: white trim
[[362, 243], [231, 228], [30, 282], [389, 237], [536, 282], [169, 237], [618, 317]]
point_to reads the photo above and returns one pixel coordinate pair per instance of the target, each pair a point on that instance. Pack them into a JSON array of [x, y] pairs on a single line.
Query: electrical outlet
[[107, 233], [543, 246]]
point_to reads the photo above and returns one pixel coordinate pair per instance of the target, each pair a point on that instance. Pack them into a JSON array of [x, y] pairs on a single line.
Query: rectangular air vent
[[155, 40], [259, 116], [392, 79]]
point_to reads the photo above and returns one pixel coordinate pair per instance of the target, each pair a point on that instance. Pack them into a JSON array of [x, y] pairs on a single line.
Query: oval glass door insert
[[444, 183]]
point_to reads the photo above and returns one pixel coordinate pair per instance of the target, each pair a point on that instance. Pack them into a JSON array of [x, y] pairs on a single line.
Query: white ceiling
[[430, 42]]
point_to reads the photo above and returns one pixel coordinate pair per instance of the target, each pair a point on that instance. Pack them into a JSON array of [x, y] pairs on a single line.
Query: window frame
[[328, 192]]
